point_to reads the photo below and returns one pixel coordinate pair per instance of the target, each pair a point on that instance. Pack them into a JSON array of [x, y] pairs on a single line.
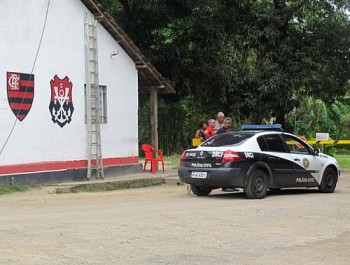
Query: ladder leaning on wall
[[93, 99]]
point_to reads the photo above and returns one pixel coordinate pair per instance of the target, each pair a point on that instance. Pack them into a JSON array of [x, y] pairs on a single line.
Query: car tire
[[257, 185], [200, 191], [329, 181]]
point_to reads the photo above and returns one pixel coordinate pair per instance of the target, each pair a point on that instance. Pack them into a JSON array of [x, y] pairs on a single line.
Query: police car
[[257, 159]]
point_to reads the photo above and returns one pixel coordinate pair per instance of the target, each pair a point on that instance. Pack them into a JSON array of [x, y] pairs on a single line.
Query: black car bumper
[[215, 177]]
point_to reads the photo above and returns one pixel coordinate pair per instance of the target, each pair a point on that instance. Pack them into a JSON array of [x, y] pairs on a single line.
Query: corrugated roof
[[149, 77]]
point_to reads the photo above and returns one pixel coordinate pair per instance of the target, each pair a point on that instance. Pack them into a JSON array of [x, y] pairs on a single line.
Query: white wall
[[119, 74], [37, 138]]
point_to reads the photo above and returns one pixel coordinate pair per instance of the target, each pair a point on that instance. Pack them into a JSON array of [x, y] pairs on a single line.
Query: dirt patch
[[164, 225]]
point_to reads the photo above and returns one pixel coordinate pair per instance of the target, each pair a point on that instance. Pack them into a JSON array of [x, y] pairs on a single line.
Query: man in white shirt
[[220, 121]]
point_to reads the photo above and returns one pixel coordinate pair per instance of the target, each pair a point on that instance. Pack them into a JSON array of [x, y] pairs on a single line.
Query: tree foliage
[[244, 57], [314, 116]]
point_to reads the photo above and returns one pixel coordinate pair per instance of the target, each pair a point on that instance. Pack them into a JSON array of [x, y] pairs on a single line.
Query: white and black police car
[[257, 159]]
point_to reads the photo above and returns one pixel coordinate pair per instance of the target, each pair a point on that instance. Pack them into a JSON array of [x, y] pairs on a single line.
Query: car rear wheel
[[329, 181], [200, 191], [257, 185]]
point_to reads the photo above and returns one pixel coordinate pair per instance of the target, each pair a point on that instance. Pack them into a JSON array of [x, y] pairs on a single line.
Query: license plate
[[199, 175]]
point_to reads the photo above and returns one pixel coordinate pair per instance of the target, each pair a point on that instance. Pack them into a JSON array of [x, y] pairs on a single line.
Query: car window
[[227, 139], [262, 144], [295, 145], [273, 143]]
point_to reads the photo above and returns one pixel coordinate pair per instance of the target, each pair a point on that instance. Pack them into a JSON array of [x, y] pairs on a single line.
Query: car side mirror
[[316, 151]]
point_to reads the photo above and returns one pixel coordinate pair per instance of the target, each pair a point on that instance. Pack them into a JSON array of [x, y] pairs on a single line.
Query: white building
[[43, 131]]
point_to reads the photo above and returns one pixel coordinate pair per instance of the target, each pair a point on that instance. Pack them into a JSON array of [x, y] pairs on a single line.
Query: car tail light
[[231, 156], [183, 156]]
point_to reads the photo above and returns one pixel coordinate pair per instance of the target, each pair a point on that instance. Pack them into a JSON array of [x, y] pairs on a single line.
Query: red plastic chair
[[154, 156]]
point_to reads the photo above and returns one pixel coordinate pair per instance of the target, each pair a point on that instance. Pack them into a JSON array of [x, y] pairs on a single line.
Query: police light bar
[[267, 127]]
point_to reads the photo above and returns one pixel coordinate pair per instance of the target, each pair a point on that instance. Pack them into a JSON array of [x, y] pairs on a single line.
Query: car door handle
[[296, 159]]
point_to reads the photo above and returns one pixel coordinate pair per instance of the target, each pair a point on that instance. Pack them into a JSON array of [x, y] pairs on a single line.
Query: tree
[[244, 57]]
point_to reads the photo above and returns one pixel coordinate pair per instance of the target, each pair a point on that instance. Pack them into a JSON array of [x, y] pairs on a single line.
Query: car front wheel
[[200, 191], [257, 185], [329, 181]]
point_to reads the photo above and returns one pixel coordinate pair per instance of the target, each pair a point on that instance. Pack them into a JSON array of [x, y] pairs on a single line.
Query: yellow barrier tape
[[329, 142], [322, 142]]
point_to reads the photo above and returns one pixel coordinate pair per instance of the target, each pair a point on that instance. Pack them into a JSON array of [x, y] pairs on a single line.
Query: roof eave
[[148, 74]]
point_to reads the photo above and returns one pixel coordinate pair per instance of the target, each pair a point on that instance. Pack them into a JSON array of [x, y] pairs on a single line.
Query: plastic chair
[[154, 156]]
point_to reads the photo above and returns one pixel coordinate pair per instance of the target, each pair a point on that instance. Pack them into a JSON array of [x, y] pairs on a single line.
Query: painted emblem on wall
[[20, 93], [61, 104]]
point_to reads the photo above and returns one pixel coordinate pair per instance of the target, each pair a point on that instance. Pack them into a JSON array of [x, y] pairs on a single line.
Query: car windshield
[[228, 139]]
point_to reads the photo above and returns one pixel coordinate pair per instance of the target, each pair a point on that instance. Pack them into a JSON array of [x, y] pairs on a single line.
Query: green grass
[[344, 161], [15, 187], [173, 160], [11, 189]]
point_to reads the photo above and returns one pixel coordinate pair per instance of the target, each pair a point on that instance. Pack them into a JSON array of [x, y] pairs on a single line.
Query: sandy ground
[[165, 225]]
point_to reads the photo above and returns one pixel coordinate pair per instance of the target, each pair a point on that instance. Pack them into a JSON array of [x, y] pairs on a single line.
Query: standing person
[[200, 133], [227, 127], [220, 121], [271, 119], [210, 132]]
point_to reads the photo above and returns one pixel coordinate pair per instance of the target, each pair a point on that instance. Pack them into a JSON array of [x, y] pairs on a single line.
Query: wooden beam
[[152, 87], [141, 66], [154, 117]]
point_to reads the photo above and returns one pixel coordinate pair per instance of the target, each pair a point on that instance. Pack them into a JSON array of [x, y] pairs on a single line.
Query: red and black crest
[[20, 93], [61, 104]]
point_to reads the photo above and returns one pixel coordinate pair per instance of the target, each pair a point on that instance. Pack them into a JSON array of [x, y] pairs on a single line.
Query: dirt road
[[164, 225]]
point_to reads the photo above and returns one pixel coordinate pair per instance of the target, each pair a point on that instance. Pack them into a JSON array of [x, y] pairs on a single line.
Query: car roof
[[258, 132], [235, 137], [264, 127]]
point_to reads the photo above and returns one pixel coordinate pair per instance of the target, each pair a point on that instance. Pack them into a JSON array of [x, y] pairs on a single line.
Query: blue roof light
[[267, 127]]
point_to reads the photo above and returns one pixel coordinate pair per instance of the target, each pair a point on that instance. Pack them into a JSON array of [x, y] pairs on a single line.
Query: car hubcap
[[259, 184], [329, 180]]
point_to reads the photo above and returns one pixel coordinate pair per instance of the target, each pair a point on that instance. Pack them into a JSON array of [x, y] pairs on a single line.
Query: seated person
[[200, 133]]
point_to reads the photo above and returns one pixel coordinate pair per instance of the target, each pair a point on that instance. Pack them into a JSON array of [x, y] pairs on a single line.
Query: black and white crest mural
[[61, 104]]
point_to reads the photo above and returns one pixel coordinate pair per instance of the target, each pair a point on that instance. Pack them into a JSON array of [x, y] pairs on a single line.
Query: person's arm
[[197, 134]]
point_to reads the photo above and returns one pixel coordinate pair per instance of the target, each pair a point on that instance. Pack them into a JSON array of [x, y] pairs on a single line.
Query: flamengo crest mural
[[20, 93], [61, 104]]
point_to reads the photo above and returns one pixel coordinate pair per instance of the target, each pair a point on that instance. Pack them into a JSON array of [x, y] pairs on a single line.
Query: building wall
[[37, 140]]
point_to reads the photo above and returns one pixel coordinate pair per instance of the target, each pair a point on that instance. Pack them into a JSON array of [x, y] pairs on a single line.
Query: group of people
[[208, 129]]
